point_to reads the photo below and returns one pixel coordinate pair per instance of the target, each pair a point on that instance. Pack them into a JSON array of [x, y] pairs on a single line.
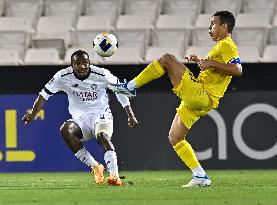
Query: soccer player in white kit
[[86, 87]]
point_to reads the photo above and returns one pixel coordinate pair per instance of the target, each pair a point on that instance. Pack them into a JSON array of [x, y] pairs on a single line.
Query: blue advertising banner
[[240, 134], [37, 146]]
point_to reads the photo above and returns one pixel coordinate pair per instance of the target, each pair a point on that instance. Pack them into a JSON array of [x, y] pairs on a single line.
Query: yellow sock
[[153, 71], [186, 153]]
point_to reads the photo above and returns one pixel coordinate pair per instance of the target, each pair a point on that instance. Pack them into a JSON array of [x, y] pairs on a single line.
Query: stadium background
[[37, 38], [249, 108]]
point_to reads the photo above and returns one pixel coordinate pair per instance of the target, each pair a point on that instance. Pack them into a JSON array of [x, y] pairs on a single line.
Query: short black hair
[[79, 53], [228, 18]]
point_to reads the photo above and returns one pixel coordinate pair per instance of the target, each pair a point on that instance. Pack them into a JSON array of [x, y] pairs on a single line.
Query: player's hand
[[203, 64], [132, 122], [27, 118], [192, 58]]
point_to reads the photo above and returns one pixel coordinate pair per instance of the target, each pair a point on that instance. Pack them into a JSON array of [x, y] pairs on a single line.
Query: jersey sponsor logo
[[86, 96]]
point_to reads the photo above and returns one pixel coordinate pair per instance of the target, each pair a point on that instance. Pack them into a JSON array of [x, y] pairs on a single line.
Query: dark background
[[30, 79]]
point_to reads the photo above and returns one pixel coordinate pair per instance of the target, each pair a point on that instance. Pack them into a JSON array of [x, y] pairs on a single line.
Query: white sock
[[111, 162], [131, 85], [198, 171], [86, 158]]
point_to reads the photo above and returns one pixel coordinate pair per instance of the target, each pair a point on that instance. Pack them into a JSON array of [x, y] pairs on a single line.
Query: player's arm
[[231, 69], [231, 65], [132, 121], [38, 105], [124, 101], [50, 88]]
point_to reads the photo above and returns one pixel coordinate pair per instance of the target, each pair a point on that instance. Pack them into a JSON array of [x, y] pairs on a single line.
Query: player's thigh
[[70, 128], [174, 67], [189, 116], [193, 93], [86, 130], [178, 130]]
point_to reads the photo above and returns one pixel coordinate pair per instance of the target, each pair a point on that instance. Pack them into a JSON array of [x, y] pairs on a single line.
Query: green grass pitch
[[255, 187]]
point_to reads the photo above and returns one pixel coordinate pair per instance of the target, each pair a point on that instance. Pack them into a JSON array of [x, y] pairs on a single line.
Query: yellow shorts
[[195, 100]]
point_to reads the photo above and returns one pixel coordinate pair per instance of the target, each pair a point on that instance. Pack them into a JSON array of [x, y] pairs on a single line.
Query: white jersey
[[84, 96]]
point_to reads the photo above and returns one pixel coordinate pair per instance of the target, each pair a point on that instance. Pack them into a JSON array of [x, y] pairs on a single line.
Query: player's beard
[[82, 75]]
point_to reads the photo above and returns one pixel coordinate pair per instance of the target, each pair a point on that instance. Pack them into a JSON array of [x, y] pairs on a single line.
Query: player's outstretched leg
[[72, 134], [167, 63], [123, 88], [110, 158], [153, 71]]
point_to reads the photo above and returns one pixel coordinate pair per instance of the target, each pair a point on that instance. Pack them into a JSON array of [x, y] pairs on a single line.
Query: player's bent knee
[[162, 59], [171, 138], [64, 129], [165, 59], [102, 137], [104, 141], [70, 129], [174, 137]]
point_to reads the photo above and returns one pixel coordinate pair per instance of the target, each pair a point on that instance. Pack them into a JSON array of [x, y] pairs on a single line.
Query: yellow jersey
[[215, 83]]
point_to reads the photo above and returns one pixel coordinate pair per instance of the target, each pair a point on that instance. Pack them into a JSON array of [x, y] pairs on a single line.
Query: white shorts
[[91, 124]]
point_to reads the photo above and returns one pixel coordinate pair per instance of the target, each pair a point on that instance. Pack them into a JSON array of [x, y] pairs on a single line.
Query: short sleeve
[[110, 77], [53, 86], [229, 52]]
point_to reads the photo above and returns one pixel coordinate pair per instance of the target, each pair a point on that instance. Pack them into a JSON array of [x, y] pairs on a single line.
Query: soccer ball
[[105, 44]]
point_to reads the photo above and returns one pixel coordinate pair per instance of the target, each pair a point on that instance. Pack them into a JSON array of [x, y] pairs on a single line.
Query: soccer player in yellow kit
[[198, 95]]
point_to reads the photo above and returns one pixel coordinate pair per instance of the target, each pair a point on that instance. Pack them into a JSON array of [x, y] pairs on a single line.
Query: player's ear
[[225, 26]]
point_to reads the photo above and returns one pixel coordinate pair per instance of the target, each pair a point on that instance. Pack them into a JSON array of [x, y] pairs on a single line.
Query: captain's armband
[[234, 60]]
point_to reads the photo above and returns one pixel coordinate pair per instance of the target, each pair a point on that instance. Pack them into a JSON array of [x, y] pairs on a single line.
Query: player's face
[[81, 65], [216, 29]]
